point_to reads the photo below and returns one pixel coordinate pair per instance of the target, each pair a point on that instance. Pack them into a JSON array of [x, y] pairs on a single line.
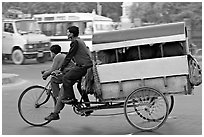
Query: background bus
[[55, 25]]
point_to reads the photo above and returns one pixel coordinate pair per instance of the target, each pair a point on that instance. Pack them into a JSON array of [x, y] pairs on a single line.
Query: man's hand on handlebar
[[56, 73], [44, 74]]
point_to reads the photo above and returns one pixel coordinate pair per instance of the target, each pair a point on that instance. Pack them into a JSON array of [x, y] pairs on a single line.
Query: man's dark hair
[[55, 49], [74, 30]]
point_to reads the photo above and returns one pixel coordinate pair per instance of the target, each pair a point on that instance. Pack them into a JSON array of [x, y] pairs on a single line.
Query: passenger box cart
[[142, 66], [139, 69]]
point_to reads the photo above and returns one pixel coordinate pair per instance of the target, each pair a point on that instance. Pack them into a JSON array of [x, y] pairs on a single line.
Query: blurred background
[[122, 14]]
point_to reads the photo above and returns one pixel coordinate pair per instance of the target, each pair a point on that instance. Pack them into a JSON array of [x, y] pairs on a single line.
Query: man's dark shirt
[[79, 52]]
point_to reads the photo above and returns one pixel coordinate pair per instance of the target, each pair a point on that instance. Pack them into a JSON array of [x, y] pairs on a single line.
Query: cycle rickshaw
[[139, 69]]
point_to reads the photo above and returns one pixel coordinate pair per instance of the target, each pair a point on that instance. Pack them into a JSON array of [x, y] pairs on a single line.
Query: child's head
[[55, 49]]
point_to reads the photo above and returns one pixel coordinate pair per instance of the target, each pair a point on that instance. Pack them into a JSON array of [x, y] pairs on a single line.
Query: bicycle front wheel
[[35, 104]]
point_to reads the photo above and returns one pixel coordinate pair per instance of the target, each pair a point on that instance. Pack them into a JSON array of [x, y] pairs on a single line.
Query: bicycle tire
[[28, 108]]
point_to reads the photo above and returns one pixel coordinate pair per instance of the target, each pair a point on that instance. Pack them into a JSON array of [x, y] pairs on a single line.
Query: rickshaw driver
[[82, 57]]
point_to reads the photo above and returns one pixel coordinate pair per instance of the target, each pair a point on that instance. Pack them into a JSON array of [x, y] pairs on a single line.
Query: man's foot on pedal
[[52, 116], [88, 113], [69, 101]]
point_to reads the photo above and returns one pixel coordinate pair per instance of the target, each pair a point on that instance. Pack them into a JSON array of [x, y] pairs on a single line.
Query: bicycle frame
[[37, 105]]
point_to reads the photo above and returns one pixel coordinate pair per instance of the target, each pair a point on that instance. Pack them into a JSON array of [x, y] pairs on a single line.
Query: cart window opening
[[141, 52], [106, 56], [173, 49], [132, 53]]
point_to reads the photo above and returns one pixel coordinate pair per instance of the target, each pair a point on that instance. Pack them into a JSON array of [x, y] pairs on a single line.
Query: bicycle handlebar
[[52, 74]]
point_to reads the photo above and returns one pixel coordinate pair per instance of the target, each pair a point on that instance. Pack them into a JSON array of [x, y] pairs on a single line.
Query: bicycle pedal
[[83, 114], [88, 113]]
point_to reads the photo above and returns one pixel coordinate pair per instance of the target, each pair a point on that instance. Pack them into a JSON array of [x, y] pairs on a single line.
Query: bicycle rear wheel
[[35, 104]]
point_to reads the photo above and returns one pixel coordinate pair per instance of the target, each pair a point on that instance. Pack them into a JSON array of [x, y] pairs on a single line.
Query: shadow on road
[[87, 131], [39, 130], [146, 133]]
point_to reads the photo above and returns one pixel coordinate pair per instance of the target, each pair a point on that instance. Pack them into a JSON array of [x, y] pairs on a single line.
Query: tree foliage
[[156, 12], [109, 9], [112, 10], [166, 12]]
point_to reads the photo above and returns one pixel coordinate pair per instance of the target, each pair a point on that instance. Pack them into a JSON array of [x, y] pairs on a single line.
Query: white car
[[22, 39]]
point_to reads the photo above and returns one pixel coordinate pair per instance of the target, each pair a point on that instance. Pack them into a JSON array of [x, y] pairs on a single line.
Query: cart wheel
[[171, 102], [35, 104], [146, 109]]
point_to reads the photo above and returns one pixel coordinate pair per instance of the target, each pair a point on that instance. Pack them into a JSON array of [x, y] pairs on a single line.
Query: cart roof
[[139, 36]]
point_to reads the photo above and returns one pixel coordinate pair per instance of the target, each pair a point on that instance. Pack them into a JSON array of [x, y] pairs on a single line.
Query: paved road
[[186, 118]]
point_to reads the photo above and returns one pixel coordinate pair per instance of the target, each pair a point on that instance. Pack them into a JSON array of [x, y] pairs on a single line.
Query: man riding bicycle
[[82, 57]]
